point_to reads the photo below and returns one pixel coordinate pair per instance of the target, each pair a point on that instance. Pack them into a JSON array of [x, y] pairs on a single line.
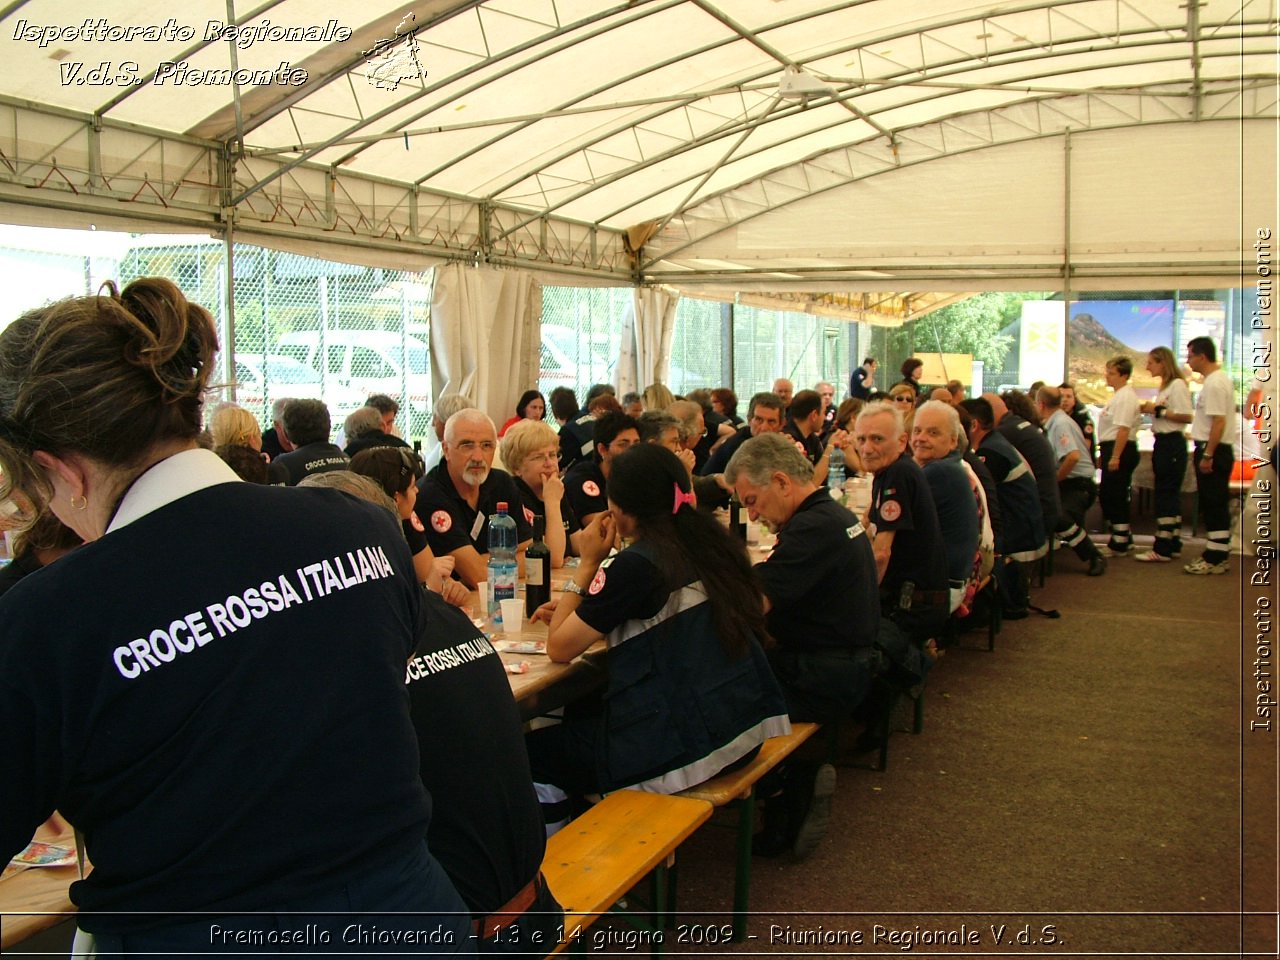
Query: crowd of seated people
[[708, 655]]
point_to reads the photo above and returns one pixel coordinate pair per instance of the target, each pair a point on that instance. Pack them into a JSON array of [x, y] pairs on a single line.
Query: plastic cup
[[482, 599], [512, 616]]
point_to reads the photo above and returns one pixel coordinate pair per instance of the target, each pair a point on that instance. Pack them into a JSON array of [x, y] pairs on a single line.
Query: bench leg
[[742, 870], [662, 879]]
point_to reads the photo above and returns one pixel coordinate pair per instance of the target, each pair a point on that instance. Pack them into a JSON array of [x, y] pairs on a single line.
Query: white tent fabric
[[485, 335], [647, 330], [811, 146]]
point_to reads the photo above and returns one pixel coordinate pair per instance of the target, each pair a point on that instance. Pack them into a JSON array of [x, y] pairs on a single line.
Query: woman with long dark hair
[[531, 406], [689, 691], [1169, 456]]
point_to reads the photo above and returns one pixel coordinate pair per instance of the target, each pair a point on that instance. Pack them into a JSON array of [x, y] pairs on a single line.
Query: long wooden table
[[35, 898]]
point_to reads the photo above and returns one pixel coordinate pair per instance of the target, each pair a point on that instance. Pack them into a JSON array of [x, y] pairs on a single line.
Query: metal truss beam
[[127, 170], [951, 136]]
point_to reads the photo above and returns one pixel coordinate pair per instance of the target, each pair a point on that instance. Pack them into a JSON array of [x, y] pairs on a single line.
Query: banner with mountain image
[[1102, 329]]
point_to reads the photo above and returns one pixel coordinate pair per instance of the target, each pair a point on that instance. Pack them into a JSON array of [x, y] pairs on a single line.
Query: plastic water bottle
[[835, 473], [502, 560]]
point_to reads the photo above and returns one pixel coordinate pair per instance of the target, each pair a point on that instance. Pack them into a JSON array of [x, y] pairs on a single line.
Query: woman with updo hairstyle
[[689, 689], [531, 406], [222, 716]]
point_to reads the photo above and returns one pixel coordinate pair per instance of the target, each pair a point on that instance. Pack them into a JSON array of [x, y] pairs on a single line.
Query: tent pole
[[229, 311], [1066, 257]]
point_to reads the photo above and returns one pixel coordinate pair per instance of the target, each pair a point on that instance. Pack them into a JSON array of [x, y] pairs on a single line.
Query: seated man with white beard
[[456, 499]]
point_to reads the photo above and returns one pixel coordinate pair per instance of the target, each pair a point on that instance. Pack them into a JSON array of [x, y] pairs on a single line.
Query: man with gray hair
[[456, 499], [274, 440], [1075, 478], [447, 404], [822, 608], [933, 442], [365, 429]]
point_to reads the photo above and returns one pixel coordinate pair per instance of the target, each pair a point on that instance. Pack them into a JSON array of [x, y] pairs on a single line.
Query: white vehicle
[[261, 379], [366, 362], [569, 360]]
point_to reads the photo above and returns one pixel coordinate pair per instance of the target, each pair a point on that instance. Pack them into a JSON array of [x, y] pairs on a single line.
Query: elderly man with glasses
[[456, 499]]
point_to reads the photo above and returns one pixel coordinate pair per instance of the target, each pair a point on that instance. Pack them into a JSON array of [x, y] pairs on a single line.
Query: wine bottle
[[537, 570]]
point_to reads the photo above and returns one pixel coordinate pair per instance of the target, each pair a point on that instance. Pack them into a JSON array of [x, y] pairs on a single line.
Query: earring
[[82, 505]]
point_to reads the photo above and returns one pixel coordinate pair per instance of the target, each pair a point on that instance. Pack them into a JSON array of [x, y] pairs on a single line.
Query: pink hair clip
[[682, 498]]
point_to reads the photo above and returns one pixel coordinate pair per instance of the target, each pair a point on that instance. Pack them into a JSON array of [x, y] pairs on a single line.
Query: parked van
[[260, 380], [367, 361]]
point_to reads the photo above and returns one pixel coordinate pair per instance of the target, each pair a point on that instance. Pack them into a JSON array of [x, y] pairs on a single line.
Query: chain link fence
[[307, 328]]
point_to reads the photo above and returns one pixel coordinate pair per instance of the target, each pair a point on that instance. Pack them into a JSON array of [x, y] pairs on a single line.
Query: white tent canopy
[[787, 147]]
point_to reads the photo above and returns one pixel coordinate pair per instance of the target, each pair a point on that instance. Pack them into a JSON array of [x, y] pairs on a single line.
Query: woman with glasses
[[397, 470], [903, 396], [531, 451]]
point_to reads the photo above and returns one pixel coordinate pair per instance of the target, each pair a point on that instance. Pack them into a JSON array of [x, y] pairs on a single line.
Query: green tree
[[971, 326]]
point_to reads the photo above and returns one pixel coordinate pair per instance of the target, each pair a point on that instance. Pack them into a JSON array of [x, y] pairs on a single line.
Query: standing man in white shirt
[[1118, 454], [1212, 458]]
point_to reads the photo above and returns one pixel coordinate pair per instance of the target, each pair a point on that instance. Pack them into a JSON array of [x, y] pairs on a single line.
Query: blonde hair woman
[[531, 450], [903, 396], [232, 424], [1170, 413]]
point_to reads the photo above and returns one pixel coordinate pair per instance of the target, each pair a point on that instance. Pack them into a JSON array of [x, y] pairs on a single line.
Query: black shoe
[[814, 825], [776, 836], [1098, 566], [1019, 613]]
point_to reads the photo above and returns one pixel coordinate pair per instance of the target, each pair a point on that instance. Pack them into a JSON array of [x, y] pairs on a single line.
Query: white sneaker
[[1152, 557], [1200, 567], [1108, 551]]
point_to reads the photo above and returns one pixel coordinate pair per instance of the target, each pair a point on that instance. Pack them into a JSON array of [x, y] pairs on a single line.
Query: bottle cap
[[502, 506]]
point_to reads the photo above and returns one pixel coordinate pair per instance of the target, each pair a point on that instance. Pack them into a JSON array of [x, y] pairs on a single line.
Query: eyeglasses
[[903, 398]]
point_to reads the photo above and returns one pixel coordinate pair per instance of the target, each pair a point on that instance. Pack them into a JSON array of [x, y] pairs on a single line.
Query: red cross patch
[[528, 515], [590, 489], [597, 582], [441, 522], [890, 510], [416, 522]]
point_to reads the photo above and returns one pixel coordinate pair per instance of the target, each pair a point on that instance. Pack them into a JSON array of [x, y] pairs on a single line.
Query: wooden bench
[[592, 863], [738, 789]]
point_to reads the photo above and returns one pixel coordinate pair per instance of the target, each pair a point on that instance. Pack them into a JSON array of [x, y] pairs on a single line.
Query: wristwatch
[[572, 587]]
